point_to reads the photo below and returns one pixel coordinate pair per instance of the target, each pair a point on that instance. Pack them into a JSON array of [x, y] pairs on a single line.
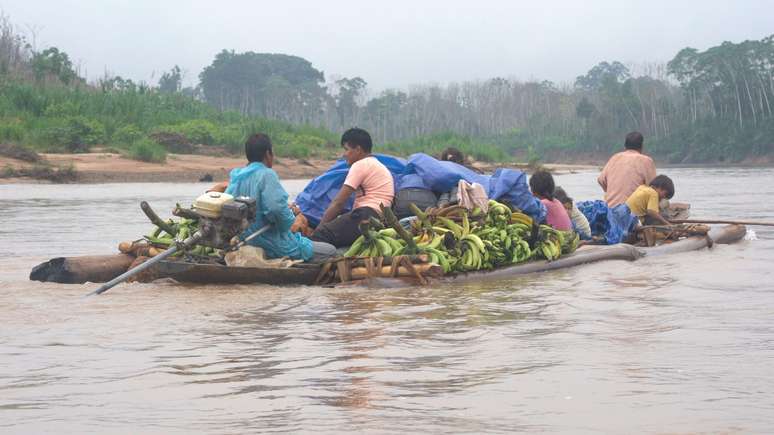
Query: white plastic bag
[[472, 195], [253, 256]]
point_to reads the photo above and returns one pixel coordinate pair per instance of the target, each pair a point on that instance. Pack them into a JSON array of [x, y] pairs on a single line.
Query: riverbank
[[114, 168]]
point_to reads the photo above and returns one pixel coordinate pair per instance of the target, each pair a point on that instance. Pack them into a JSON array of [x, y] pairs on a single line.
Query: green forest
[[704, 106]]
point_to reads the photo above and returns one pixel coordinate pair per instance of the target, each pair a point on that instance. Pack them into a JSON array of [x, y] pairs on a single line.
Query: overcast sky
[[391, 43]]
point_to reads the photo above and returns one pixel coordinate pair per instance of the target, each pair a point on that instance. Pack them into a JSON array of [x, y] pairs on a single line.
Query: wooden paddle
[[720, 221]]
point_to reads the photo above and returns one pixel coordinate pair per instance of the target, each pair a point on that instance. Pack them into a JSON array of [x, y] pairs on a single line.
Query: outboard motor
[[221, 217]]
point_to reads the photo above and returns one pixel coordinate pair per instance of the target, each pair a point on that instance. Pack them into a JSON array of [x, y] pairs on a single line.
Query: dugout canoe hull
[[78, 270], [300, 274], [584, 255], [591, 254]]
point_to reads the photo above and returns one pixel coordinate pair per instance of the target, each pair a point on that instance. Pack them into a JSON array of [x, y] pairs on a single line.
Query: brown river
[[673, 344]]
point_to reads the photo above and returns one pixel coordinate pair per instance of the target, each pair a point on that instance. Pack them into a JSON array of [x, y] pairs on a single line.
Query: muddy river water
[[680, 343]]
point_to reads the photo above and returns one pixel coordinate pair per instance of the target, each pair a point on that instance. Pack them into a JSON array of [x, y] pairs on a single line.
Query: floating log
[[78, 270]]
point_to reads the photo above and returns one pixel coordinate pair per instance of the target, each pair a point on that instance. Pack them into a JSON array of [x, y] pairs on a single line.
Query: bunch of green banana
[[550, 241], [570, 241], [386, 243], [444, 224], [521, 251], [183, 229], [470, 240], [506, 245], [497, 243], [440, 257], [382, 243], [428, 240], [519, 230], [475, 254], [518, 217], [499, 214]]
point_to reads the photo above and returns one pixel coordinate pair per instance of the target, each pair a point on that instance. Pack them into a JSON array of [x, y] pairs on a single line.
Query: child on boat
[[644, 202], [542, 186], [579, 222]]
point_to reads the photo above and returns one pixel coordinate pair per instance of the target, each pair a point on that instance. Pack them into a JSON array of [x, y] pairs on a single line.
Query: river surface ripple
[[680, 343]]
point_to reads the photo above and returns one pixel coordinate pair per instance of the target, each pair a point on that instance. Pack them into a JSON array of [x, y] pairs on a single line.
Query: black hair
[[452, 154], [542, 184], [664, 182], [561, 195], [257, 146], [357, 137], [634, 141]]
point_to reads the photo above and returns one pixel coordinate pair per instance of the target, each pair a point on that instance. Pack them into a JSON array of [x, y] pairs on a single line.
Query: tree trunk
[[752, 103]]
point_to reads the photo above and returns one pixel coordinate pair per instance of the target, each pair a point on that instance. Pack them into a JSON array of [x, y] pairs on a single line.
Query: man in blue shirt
[[257, 180]]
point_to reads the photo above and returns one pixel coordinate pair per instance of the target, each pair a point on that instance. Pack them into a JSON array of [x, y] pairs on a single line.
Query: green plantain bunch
[[462, 241]]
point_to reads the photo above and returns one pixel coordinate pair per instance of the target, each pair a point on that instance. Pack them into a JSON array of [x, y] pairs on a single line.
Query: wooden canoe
[[92, 269]]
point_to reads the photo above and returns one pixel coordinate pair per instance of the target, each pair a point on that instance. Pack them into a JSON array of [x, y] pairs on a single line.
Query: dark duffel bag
[[423, 198]]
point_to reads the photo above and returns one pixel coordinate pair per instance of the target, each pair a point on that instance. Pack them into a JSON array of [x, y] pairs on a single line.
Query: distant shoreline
[[93, 168], [96, 168]]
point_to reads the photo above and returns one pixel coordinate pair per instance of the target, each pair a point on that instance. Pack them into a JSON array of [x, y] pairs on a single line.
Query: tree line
[[702, 105], [711, 105]]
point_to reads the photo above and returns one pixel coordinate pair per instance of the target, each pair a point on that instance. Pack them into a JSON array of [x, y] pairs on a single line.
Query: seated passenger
[[579, 222], [257, 180], [368, 179], [542, 185], [452, 154], [626, 171], [644, 202]]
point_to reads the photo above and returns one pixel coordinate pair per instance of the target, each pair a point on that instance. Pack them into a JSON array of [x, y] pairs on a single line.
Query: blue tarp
[[424, 172], [614, 224], [411, 181], [505, 185], [319, 193], [441, 176], [510, 185]]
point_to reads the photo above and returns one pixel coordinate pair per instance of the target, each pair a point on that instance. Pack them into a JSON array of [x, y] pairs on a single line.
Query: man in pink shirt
[[626, 171], [368, 179]]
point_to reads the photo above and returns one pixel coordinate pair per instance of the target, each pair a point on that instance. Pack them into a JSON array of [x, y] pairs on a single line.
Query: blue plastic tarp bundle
[[614, 224], [441, 176], [504, 185], [424, 172], [319, 193], [411, 181]]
